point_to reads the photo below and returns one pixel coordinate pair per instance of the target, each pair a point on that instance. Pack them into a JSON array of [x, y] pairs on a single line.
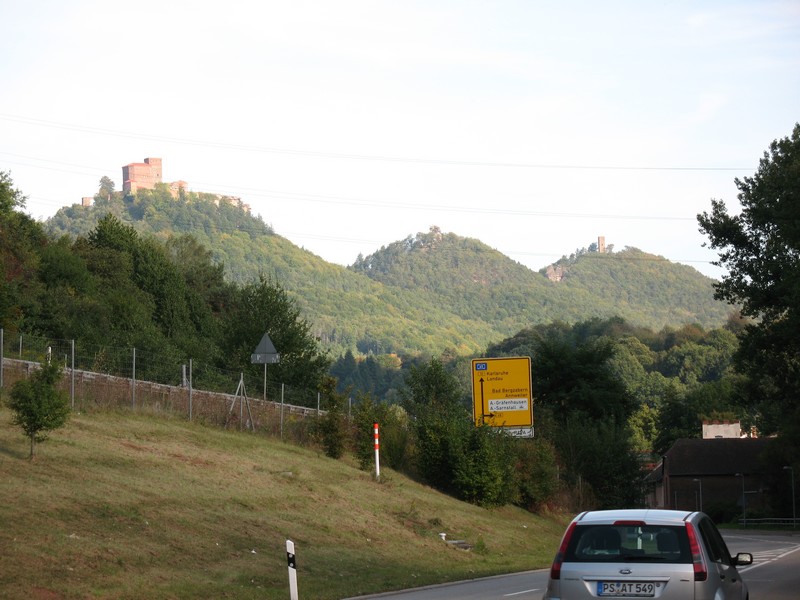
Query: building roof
[[717, 456]]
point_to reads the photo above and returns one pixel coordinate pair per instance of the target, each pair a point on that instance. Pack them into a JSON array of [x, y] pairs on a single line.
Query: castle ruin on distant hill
[[137, 176], [557, 271], [145, 175]]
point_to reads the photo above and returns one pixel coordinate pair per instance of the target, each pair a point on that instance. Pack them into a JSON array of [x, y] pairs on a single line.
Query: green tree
[[584, 407], [760, 248], [106, 188], [441, 423], [20, 240], [333, 424], [601, 455], [10, 197], [574, 378], [484, 470], [536, 473], [682, 412], [264, 306], [38, 405], [644, 429], [472, 463], [395, 442], [113, 233]]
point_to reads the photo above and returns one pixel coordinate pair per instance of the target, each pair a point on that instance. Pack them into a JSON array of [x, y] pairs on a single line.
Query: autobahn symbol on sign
[[501, 394]]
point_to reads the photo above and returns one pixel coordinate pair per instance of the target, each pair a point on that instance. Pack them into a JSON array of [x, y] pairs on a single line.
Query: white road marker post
[[292, 570], [377, 454]]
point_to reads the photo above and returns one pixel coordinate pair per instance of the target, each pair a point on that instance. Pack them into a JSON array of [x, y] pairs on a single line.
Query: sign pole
[[292, 570], [265, 353]]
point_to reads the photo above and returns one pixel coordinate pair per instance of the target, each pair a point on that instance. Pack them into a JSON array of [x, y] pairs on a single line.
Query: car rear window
[[615, 543]]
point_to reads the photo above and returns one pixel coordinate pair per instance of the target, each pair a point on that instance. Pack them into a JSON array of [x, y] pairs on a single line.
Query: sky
[[534, 127]]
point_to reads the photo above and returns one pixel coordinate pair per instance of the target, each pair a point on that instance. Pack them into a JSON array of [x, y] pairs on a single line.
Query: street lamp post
[[744, 501], [700, 484], [794, 506]]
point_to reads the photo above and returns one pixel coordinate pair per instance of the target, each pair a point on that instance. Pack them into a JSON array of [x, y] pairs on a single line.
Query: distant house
[[695, 474]]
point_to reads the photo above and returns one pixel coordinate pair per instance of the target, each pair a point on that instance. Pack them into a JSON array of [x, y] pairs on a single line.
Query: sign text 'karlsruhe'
[[501, 393]]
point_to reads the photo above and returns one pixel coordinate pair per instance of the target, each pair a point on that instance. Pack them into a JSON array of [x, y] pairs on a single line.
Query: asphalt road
[[774, 575], [529, 585]]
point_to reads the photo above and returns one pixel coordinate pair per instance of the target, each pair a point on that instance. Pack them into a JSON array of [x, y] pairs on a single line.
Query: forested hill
[[476, 281], [422, 294]]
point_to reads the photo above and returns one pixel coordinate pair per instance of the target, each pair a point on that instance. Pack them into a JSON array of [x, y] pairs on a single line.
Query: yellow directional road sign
[[501, 392]]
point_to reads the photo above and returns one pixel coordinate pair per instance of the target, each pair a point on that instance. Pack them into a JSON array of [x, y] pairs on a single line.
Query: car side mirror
[[743, 558]]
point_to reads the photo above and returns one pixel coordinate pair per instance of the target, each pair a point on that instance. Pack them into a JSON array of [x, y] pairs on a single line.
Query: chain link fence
[[107, 377]]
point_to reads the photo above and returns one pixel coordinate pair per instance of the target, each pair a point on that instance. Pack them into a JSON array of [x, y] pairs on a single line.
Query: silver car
[[666, 554]]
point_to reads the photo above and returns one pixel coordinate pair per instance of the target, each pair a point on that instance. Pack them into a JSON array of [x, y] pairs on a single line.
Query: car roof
[[649, 516]]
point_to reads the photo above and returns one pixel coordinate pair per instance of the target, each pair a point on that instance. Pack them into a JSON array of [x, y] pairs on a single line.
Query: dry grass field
[[126, 505]]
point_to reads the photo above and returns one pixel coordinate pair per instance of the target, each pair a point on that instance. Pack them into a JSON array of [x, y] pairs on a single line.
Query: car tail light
[[630, 523], [700, 569], [555, 570]]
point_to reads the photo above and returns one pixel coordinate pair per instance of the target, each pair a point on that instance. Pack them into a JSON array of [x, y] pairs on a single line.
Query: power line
[[346, 156], [366, 203], [322, 198], [508, 253]]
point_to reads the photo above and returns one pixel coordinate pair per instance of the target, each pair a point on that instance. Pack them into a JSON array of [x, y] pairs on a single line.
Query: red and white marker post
[[377, 454]]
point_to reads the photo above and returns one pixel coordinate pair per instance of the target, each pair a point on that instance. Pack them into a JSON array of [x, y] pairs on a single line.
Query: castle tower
[[141, 175]]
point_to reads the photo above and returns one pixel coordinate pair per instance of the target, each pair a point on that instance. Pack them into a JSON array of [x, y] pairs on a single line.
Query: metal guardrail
[[769, 522]]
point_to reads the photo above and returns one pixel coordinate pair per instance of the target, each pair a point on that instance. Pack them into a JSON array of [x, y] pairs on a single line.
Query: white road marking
[[764, 558]]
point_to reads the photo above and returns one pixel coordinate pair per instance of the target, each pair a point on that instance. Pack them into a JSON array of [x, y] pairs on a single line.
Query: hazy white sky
[[347, 125]]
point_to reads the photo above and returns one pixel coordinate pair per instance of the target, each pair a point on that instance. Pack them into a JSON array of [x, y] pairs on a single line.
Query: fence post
[[72, 374], [282, 411], [133, 381], [190, 389], [2, 355]]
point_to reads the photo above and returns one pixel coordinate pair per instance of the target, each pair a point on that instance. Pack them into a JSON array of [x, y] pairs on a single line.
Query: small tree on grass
[[333, 424], [38, 405]]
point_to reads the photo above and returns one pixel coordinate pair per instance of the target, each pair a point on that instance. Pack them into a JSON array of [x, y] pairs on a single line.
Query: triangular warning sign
[[265, 353]]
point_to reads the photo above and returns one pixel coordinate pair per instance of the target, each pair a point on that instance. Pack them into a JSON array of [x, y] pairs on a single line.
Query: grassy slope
[[126, 505]]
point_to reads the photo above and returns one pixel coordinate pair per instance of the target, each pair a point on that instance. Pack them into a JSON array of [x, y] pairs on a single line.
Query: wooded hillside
[[419, 295]]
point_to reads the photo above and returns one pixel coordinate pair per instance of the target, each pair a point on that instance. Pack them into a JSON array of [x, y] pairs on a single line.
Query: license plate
[[641, 589]]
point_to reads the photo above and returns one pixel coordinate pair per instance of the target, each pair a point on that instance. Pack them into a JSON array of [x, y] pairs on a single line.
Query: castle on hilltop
[[145, 175], [556, 272]]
